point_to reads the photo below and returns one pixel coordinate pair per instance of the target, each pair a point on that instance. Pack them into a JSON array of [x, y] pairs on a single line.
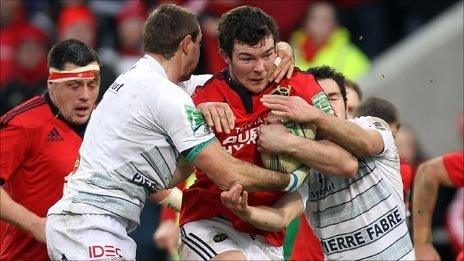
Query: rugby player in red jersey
[[446, 170], [40, 141], [247, 38]]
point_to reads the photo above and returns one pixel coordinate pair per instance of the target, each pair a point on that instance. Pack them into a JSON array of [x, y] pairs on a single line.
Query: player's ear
[[184, 44], [224, 56]]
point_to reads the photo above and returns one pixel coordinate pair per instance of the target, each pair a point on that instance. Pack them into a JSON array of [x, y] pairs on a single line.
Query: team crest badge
[[321, 102], [196, 121], [282, 90]]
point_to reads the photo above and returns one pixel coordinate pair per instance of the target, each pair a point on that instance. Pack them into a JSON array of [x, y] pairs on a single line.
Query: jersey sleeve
[[184, 125], [454, 165], [13, 149], [195, 80], [374, 123]]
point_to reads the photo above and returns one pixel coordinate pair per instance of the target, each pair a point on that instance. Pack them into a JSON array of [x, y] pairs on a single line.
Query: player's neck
[[171, 66]]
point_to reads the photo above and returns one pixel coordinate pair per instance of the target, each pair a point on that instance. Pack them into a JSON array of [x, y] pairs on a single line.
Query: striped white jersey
[[132, 143], [361, 217]]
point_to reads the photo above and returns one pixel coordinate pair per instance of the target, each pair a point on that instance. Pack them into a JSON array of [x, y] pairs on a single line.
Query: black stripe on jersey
[[186, 239], [164, 160], [33, 103], [386, 248], [155, 168], [204, 243], [359, 195], [356, 215], [353, 180], [194, 250]]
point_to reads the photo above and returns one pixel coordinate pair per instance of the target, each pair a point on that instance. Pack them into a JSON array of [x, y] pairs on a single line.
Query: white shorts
[[204, 239], [88, 237]]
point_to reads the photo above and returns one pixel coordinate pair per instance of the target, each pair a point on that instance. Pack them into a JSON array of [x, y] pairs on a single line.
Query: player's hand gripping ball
[[285, 163]]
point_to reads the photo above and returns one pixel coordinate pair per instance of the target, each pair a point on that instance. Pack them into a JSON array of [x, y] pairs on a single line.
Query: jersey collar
[[79, 129], [245, 95]]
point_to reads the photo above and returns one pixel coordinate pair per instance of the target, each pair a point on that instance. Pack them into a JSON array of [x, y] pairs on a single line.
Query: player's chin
[[258, 86], [80, 119]]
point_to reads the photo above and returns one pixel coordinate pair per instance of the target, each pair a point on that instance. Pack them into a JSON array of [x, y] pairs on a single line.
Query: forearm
[[266, 218], [424, 200], [323, 155], [16, 214], [254, 178], [344, 133]]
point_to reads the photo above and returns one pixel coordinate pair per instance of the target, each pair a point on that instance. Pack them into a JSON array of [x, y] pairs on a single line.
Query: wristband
[[297, 178], [173, 200]]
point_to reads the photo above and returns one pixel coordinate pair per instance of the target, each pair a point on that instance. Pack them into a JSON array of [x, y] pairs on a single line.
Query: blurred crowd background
[[408, 51]]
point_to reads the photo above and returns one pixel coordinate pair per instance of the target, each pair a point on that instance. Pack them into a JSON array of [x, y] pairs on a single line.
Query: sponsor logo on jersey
[[115, 87], [365, 235], [97, 251], [196, 121], [378, 123], [219, 237], [321, 102], [241, 136], [53, 135]]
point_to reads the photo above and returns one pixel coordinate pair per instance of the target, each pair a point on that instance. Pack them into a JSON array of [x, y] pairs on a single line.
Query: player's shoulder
[[32, 112], [302, 81], [300, 75], [216, 79], [371, 122]]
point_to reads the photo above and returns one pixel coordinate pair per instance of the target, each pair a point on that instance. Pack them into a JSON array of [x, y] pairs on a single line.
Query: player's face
[[193, 57], [251, 66], [75, 99], [332, 90], [352, 101]]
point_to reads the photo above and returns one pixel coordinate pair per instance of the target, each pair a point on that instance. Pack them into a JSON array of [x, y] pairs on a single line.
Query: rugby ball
[[285, 163]]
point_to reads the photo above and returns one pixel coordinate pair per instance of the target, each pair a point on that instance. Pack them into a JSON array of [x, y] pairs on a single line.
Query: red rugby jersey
[[202, 199], [38, 149], [454, 164]]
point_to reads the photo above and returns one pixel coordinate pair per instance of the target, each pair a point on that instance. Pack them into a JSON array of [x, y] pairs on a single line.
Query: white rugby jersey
[[361, 217], [132, 143]]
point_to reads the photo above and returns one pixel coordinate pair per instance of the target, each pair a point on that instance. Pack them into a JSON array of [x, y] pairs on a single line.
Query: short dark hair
[[355, 87], [245, 25], [327, 72], [165, 28], [378, 107], [71, 51]]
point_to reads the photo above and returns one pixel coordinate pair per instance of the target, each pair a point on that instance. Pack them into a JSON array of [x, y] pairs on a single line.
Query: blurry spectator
[[367, 20], [30, 66], [354, 96], [322, 41], [78, 22], [130, 22], [408, 146], [12, 15]]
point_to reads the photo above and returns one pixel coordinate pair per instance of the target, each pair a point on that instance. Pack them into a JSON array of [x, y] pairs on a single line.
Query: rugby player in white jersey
[[360, 217], [144, 125]]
